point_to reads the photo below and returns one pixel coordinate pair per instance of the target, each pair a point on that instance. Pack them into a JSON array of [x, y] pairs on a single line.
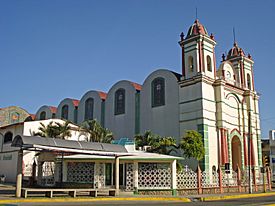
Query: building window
[[42, 115], [191, 64], [8, 137], [209, 64], [120, 101], [158, 92], [64, 112], [248, 82], [89, 109]]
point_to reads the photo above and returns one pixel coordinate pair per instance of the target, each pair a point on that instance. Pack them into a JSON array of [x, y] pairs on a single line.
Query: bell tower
[[198, 55]]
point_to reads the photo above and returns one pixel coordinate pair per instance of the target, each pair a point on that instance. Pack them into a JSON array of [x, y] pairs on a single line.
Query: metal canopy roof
[[36, 142]]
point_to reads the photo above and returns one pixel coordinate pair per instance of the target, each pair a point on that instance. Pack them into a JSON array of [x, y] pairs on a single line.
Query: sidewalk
[[7, 196]]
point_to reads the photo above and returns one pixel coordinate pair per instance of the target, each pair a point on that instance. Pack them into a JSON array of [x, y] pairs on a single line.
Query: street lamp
[[2, 142], [249, 151]]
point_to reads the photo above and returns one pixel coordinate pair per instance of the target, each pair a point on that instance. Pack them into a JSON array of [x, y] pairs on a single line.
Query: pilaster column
[[174, 177], [135, 175], [19, 173], [117, 174]]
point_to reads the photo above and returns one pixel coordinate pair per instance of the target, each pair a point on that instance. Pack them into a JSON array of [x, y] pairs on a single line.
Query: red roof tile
[[102, 95], [53, 109], [75, 102], [137, 86]]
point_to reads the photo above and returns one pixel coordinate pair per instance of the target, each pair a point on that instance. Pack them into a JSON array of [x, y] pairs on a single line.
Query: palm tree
[[94, 132], [64, 130], [156, 143], [146, 139], [54, 130], [49, 130], [106, 136]]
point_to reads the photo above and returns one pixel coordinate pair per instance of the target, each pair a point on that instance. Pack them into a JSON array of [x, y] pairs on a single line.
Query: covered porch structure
[[78, 164]]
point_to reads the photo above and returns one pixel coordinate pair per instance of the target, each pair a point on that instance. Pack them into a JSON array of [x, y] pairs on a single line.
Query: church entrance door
[[236, 153]]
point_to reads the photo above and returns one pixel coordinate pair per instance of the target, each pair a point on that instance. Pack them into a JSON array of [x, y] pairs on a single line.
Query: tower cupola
[[235, 51], [198, 55], [196, 29]]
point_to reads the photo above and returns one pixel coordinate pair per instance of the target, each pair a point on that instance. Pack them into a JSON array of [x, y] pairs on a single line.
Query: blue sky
[[50, 50]]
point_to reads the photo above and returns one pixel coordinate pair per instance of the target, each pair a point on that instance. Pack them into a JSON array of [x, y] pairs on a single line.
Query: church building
[[217, 101]]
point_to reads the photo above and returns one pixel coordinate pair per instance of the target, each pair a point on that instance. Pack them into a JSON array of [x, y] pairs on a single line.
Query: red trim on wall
[[224, 146], [200, 54], [236, 131]]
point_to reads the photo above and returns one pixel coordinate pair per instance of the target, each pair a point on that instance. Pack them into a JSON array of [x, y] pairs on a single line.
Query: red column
[[200, 57], [224, 146], [252, 151], [239, 179], [199, 180]]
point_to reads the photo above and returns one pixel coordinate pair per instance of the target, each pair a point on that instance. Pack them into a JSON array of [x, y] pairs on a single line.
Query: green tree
[[192, 145], [54, 130], [49, 130], [64, 130], [94, 132], [156, 143]]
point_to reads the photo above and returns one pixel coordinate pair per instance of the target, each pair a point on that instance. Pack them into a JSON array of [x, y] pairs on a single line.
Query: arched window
[[248, 82], [158, 92], [191, 63], [209, 64], [42, 115], [89, 109], [120, 101], [65, 111], [8, 137]]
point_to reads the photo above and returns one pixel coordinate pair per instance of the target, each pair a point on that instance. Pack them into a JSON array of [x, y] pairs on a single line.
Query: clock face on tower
[[228, 75], [228, 71]]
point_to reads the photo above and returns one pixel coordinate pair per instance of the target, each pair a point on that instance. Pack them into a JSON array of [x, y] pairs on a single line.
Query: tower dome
[[196, 29], [235, 51]]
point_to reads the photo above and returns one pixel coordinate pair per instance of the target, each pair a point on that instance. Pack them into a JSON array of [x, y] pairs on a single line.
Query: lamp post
[[249, 151], [2, 141]]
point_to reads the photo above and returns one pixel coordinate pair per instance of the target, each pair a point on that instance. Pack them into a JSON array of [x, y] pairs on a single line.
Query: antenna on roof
[[234, 35], [196, 13]]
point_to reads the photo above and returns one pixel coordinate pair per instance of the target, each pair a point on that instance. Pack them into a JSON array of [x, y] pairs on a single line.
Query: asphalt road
[[247, 201]]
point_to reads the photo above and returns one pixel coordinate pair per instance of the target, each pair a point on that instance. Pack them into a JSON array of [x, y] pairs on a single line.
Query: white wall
[[161, 120], [122, 125], [71, 111], [97, 106]]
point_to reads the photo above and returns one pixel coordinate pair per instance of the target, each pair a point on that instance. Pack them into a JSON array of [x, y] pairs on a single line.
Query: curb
[[20, 200], [227, 197]]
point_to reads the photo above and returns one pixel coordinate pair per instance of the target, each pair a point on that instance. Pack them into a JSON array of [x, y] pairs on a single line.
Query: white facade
[[8, 154], [162, 120], [68, 109], [124, 123], [97, 101]]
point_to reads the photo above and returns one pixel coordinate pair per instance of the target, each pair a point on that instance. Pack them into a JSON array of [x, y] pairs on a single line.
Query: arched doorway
[[236, 153]]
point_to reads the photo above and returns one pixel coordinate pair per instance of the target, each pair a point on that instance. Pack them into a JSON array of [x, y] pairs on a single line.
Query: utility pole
[[249, 152]]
